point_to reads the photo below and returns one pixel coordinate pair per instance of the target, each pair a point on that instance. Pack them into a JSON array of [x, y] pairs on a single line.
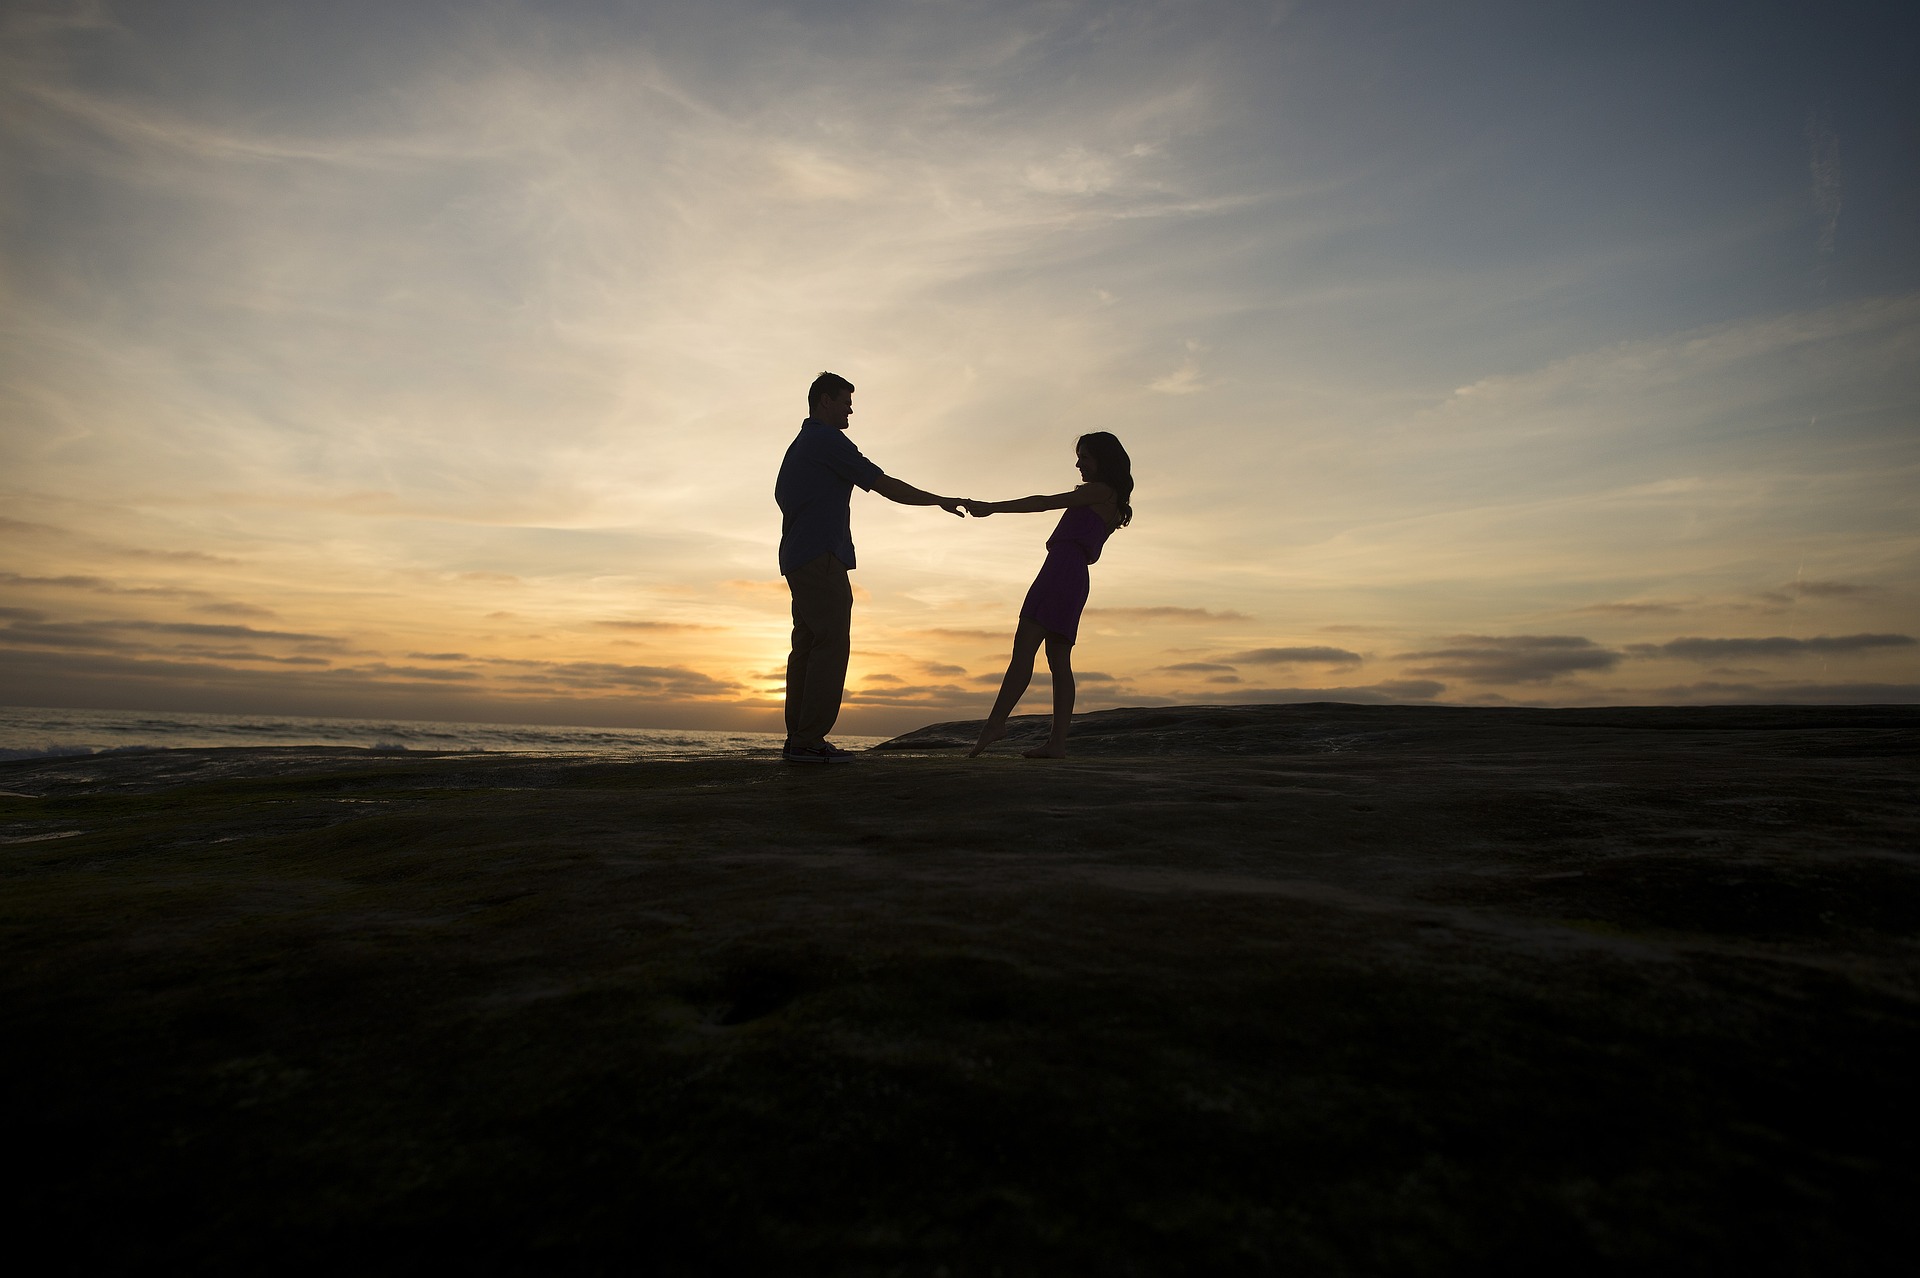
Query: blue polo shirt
[[814, 491]]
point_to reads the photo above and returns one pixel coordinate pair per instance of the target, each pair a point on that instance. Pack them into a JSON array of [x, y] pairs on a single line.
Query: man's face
[[836, 407]]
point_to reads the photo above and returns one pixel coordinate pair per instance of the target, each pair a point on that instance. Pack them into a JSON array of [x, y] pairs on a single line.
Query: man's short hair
[[824, 385]]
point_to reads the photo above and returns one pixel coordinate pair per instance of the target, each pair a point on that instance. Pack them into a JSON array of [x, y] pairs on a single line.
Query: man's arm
[[907, 495]]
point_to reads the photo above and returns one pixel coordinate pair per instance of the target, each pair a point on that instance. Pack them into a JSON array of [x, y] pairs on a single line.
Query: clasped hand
[[978, 509]]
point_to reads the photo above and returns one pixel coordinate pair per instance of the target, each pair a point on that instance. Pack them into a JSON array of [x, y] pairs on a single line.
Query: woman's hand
[[978, 509]]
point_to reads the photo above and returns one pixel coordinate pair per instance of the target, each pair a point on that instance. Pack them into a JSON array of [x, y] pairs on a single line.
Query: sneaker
[[825, 752]]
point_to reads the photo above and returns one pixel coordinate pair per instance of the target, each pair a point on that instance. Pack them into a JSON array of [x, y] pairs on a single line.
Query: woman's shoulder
[[1105, 505], [1098, 491]]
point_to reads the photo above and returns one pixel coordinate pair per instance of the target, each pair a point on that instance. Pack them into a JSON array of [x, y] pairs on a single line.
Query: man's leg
[[797, 663], [796, 679], [817, 666]]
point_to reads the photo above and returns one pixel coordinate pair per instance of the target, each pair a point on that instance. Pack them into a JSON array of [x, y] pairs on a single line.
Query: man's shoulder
[[805, 441], [823, 441], [814, 435]]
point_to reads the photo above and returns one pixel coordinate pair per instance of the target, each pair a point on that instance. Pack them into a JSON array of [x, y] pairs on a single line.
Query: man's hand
[[952, 506], [978, 509]]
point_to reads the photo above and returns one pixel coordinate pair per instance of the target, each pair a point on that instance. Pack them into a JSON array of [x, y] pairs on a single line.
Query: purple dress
[[1059, 592]]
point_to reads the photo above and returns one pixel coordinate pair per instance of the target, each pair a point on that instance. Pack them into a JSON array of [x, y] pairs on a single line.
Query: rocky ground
[[1304, 989]]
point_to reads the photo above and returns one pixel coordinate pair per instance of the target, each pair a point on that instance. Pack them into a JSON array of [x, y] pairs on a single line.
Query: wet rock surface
[[1325, 989]]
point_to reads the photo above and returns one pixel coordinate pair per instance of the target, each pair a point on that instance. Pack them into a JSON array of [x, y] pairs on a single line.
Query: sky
[[436, 360]]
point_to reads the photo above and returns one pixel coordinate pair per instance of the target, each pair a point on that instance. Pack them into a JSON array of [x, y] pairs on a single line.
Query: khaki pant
[[822, 634]]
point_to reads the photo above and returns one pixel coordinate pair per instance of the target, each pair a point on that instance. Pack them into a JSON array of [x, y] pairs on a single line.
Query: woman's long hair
[[1113, 468]]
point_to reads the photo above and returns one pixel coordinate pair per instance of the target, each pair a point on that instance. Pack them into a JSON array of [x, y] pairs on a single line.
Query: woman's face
[[1089, 470]]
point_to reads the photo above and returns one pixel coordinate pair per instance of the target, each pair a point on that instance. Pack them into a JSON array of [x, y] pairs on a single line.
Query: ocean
[[30, 733]]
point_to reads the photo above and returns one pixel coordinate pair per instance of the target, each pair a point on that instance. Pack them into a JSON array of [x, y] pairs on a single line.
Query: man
[[816, 551]]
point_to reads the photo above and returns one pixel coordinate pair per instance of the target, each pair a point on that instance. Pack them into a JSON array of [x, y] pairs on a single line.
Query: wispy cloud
[[1634, 608], [1826, 589], [1811, 693], [659, 627], [1165, 612], [1292, 656], [1387, 691], [1696, 649], [1513, 658], [31, 631]]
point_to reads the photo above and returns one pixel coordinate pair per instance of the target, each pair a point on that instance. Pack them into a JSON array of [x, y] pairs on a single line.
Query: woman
[[1052, 608]]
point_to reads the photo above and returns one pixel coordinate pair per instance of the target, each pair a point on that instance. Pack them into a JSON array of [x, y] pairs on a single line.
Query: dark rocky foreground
[[1302, 989]]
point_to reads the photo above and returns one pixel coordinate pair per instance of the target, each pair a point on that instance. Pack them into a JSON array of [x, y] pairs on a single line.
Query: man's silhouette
[[816, 550]]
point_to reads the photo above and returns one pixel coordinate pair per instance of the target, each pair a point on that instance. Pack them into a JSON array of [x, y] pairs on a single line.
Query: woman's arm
[[1092, 494]]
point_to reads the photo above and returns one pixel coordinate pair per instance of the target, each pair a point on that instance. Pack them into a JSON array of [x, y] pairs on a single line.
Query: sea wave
[[38, 733], [64, 751]]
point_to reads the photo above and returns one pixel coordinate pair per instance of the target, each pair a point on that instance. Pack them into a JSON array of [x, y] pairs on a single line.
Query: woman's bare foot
[[988, 735], [1047, 751]]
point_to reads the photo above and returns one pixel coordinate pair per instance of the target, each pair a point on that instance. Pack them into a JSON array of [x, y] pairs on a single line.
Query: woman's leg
[[1060, 662], [1026, 642]]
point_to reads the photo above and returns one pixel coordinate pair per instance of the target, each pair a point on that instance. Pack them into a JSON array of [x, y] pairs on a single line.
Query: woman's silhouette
[[1051, 612]]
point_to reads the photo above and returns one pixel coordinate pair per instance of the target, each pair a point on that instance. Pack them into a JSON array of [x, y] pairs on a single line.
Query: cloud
[[165, 556], [1167, 613], [1514, 658], [1632, 609], [1382, 693], [381, 670], [114, 635], [599, 675], [1814, 693], [664, 627], [117, 680], [244, 654], [920, 697], [1286, 656], [215, 606], [1196, 667], [1042, 679], [1184, 380], [1868, 333], [100, 585], [1826, 589], [199, 652], [1695, 649], [233, 609]]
